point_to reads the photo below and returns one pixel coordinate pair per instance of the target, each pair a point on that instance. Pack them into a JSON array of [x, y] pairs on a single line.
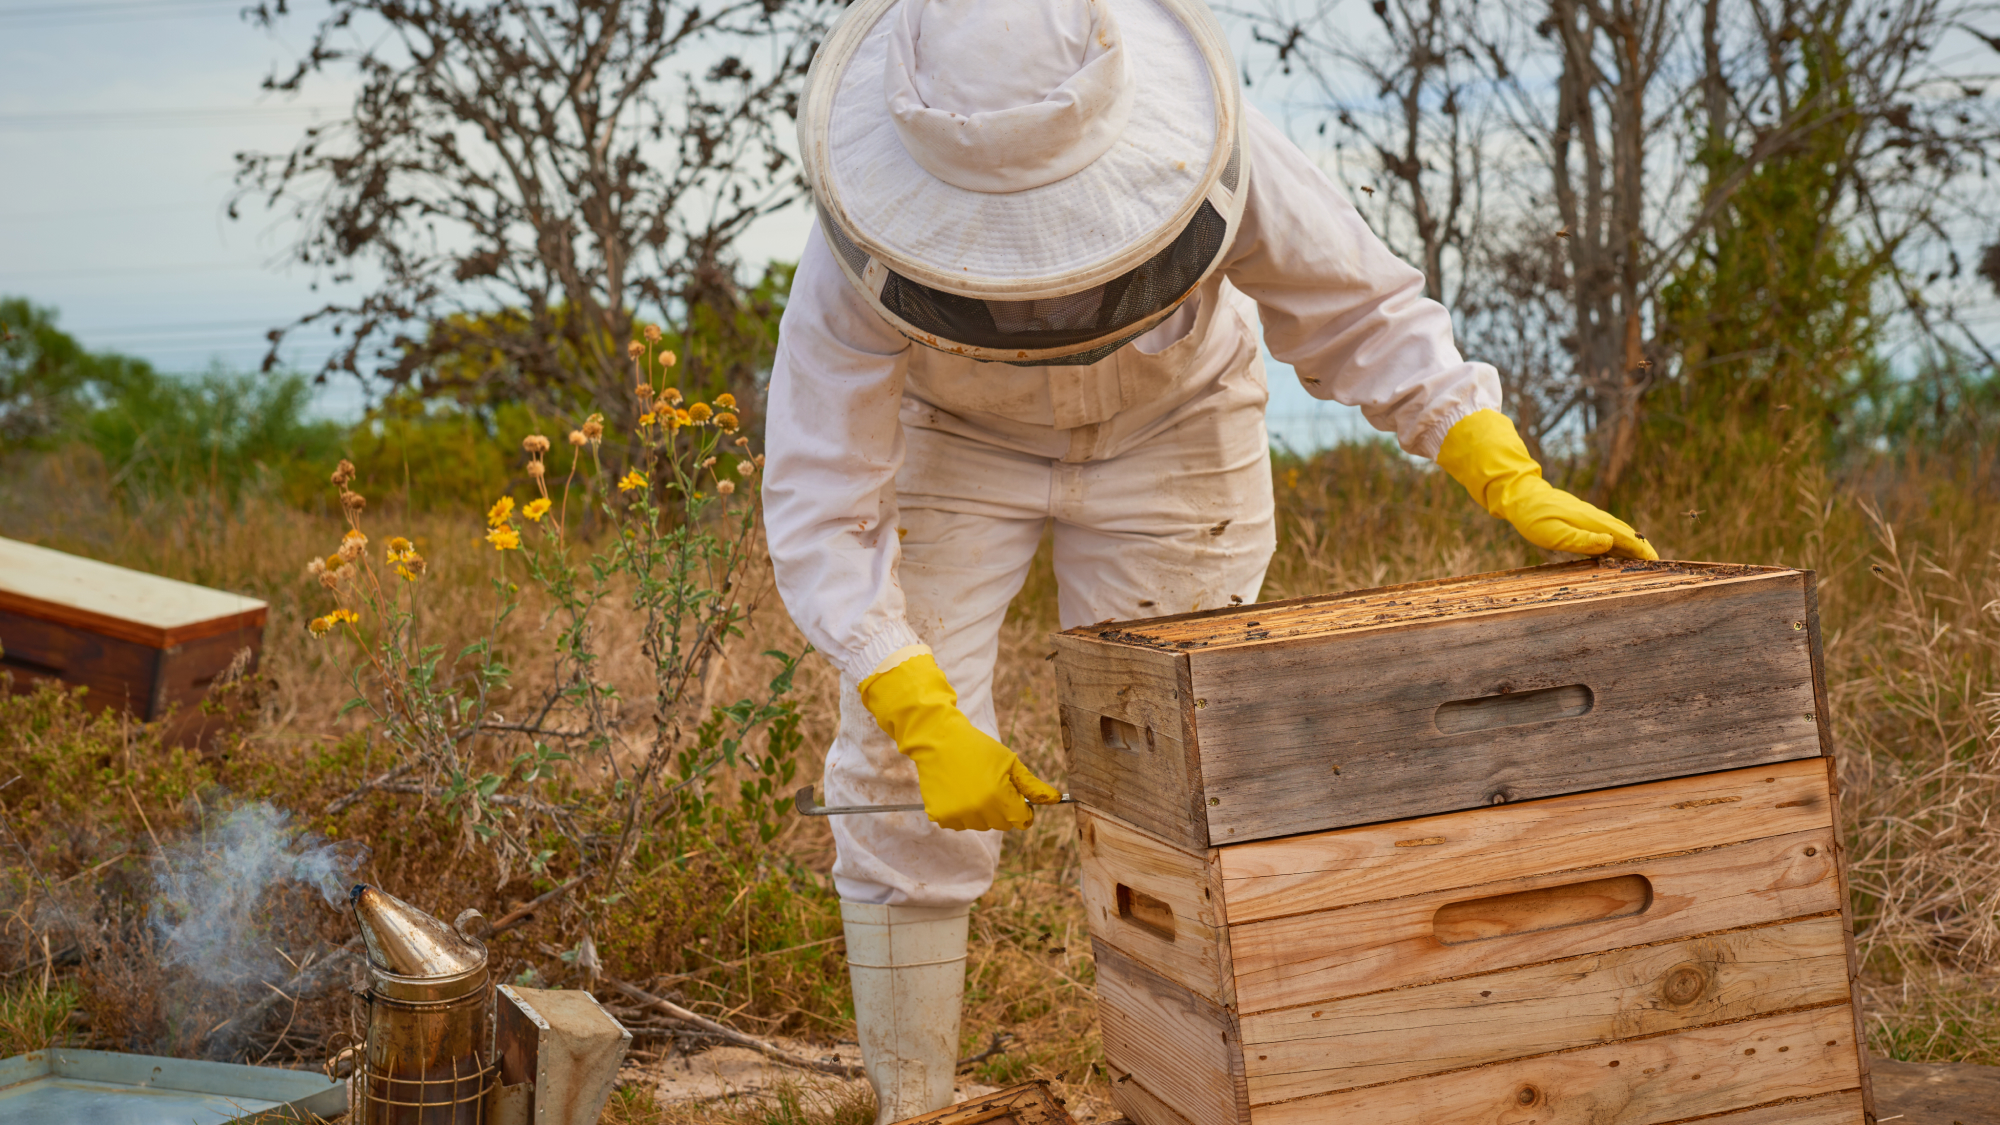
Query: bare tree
[[1610, 139], [524, 180]]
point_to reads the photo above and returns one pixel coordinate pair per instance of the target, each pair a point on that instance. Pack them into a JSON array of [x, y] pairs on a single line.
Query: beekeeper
[[1048, 233]]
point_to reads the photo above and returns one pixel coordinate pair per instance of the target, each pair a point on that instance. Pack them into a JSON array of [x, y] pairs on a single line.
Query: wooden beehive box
[[149, 644], [1554, 845]]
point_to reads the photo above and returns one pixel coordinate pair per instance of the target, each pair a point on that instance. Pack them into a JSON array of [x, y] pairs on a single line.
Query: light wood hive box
[[149, 644], [1551, 846]]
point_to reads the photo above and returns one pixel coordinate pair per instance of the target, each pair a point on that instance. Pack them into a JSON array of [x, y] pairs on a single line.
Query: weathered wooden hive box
[[1551, 846], [149, 644]]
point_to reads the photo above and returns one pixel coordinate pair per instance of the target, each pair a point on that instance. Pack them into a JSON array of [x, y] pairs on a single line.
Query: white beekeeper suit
[[998, 155]]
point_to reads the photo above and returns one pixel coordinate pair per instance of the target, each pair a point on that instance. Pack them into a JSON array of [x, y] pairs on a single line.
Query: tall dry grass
[[1908, 556]]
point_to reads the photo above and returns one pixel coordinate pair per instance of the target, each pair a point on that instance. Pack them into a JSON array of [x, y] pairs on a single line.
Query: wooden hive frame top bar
[[1494, 592], [116, 602]]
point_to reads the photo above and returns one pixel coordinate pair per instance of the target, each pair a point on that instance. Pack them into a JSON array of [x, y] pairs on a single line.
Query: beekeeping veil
[[1025, 181]]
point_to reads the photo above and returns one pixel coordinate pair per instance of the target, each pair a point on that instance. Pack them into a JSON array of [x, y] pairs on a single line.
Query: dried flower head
[[412, 568], [343, 473], [652, 333], [632, 481], [726, 422], [349, 551], [501, 511], [760, 460], [635, 349], [593, 427], [315, 567], [535, 469], [352, 502], [536, 509], [668, 359], [743, 443], [576, 438], [504, 539], [725, 487], [700, 412], [746, 468], [708, 463], [726, 401], [535, 443], [644, 391], [672, 394], [329, 579]]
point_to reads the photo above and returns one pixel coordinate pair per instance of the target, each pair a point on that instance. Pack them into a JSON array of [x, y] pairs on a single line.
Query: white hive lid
[[115, 601]]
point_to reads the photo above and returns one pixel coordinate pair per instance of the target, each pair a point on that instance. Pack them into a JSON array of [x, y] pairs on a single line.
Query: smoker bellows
[[1546, 844]]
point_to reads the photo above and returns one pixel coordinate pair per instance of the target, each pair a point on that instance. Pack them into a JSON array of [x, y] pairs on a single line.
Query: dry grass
[[1908, 554]]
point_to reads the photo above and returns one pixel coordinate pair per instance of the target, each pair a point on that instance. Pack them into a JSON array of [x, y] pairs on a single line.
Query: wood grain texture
[[1843, 1108], [1196, 955], [1186, 1050], [1847, 921], [1669, 1078], [1271, 878], [1030, 1103], [187, 671], [1130, 1097], [1154, 781], [1331, 954], [1312, 734], [1580, 1002], [119, 673]]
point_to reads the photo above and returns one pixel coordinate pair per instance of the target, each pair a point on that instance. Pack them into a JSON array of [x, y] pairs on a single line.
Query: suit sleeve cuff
[[885, 650]]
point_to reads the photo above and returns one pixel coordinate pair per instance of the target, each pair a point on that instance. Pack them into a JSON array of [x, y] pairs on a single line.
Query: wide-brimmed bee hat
[[1025, 181]]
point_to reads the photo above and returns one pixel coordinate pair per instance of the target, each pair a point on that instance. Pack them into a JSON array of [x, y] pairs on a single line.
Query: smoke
[[209, 907]]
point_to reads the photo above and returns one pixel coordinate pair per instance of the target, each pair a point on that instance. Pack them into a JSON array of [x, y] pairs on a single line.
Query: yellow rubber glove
[[1485, 453], [969, 780]]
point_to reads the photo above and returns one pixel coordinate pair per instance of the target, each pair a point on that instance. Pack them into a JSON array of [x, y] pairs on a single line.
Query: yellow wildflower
[[683, 418], [700, 412], [504, 539], [500, 512], [397, 545], [536, 509], [318, 626], [342, 614], [646, 419], [726, 422], [726, 401], [631, 481]]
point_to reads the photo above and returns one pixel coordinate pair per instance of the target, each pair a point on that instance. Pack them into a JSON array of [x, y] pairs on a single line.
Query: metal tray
[[110, 1088]]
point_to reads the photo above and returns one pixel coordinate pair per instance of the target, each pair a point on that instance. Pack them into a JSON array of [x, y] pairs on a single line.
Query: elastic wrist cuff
[[897, 657], [884, 643]]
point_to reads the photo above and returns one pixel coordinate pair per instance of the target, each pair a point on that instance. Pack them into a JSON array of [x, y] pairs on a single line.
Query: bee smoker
[[429, 1056]]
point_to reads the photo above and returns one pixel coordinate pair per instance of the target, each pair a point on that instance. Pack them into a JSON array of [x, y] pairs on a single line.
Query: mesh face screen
[[1076, 318]]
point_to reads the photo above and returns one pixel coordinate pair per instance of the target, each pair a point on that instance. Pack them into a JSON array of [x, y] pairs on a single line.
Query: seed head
[[536, 444], [652, 333], [725, 487], [635, 349], [343, 473], [315, 567], [576, 438], [644, 391], [672, 395], [746, 468], [350, 549], [668, 359], [352, 501], [535, 469], [708, 463], [593, 428]]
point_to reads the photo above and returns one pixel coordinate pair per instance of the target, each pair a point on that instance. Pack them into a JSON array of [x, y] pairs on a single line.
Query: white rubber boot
[[907, 965]]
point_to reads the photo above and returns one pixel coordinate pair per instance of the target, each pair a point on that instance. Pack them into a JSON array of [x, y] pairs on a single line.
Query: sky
[[119, 120]]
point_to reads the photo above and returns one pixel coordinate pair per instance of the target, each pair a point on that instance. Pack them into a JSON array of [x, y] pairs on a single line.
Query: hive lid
[[113, 601], [1469, 596], [404, 940]]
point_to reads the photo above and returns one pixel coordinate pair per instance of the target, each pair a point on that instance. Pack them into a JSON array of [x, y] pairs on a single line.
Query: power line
[[70, 121], [31, 16]]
